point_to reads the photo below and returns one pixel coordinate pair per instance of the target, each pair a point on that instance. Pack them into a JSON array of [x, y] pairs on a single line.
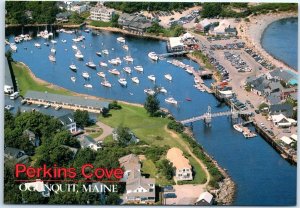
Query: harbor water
[[280, 39], [261, 175]]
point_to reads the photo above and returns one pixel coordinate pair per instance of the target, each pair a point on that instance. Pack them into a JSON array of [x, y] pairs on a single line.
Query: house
[[231, 31], [203, 25], [175, 44], [129, 163], [133, 140], [69, 123], [294, 137], [63, 16], [205, 199], [78, 6], [288, 92], [16, 154], [220, 29], [183, 168], [134, 23], [101, 13], [283, 75], [283, 108], [88, 142], [273, 98], [282, 121], [286, 140], [35, 140], [8, 82], [73, 149]]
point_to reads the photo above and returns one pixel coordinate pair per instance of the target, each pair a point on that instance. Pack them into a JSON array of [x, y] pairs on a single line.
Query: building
[[8, 82], [78, 6], [134, 23], [205, 199], [63, 16], [88, 142], [282, 108], [282, 121], [69, 123], [101, 13], [129, 163], [33, 138], [183, 168], [175, 44], [203, 25], [16, 154], [284, 75], [133, 140], [221, 28]]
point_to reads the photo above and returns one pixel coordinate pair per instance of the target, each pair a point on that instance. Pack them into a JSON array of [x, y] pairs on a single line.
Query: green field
[[26, 82]]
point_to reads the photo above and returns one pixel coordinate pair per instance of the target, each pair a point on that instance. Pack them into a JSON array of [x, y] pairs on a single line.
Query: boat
[[121, 39], [139, 68], [127, 69], [115, 61], [88, 86], [171, 100], [248, 134], [46, 44], [91, 65], [58, 107], [13, 47], [188, 99], [63, 41], [52, 58], [85, 75], [103, 64], [87, 30], [122, 81], [152, 77], [189, 71], [162, 90], [125, 47], [98, 53], [37, 45], [47, 105], [53, 50], [9, 107], [101, 74], [238, 127], [53, 41], [73, 79], [149, 91], [79, 55], [75, 47], [114, 71], [105, 51], [168, 77], [128, 58], [106, 83], [73, 67], [23, 102], [153, 56], [135, 80]]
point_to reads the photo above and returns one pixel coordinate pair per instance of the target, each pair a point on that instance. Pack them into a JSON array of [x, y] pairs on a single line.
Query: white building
[[69, 123], [88, 142], [205, 198], [78, 7], [101, 13], [281, 121], [176, 44], [182, 165], [220, 29]]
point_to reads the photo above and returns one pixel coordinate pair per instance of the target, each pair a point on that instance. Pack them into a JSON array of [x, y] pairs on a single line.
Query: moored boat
[[106, 83], [37, 45], [149, 91], [13, 47], [125, 47], [122, 81], [135, 80], [75, 47], [162, 90], [103, 64], [152, 77], [79, 55], [114, 71], [238, 127], [101, 74], [52, 58], [171, 100], [121, 39], [139, 68], [73, 79], [105, 51], [88, 86], [128, 58], [91, 65], [153, 56], [127, 69], [73, 67], [168, 77], [98, 53], [85, 75]]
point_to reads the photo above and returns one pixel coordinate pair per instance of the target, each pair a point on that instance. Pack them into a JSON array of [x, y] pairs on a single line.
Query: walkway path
[[107, 130]]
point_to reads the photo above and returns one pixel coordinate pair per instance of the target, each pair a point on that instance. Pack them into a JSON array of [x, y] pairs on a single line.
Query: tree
[[211, 10], [61, 156], [152, 104], [82, 118], [176, 126], [76, 18], [8, 55], [113, 199], [166, 168], [114, 20], [124, 136], [114, 105], [105, 112]]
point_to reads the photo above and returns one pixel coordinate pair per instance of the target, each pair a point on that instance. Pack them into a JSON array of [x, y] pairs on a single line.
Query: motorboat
[[122, 81], [127, 69], [9, 107], [47, 105], [188, 99], [85, 75], [63, 41], [125, 47], [23, 102], [101, 74], [46, 44], [105, 83], [149, 91], [139, 68], [115, 61], [73, 67], [79, 55], [114, 71], [73, 79], [189, 71], [162, 90], [249, 134], [103, 64], [87, 30], [168, 77], [37, 45], [238, 127], [88, 86], [105, 51], [58, 107], [152, 77], [128, 58], [135, 80], [91, 65], [153, 56], [13, 47], [98, 53], [171, 100], [53, 50], [52, 58], [53, 41], [75, 47], [121, 39]]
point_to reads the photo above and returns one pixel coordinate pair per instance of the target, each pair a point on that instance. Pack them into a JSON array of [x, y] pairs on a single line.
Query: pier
[[179, 53]]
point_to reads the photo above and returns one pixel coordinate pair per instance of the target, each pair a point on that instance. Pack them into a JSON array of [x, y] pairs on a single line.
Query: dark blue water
[[280, 39], [261, 175]]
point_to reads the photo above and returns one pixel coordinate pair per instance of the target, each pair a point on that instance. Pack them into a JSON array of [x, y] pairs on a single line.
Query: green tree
[[114, 20], [76, 18], [61, 156], [152, 104], [124, 135], [82, 118], [166, 168], [113, 199], [210, 10]]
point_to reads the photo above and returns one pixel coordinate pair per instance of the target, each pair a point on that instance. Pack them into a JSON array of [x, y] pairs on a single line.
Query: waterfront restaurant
[[66, 102]]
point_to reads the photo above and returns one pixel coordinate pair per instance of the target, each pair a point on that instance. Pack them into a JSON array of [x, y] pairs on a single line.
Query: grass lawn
[[100, 24], [96, 134], [25, 82]]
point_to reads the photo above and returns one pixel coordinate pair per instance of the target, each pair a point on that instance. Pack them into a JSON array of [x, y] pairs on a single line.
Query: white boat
[[73, 67], [122, 81], [139, 68], [189, 71], [63, 41], [105, 51], [115, 61], [57, 107], [9, 107], [125, 47], [73, 79], [135, 80], [162, 90], [114, 71], [79, 55], [153, 56], [53, 41], [98, 53], [171, 100], [106, 83], [128, 58], [88, 86], [103, 64], [101, 74], [249, 134], [127, 69], [149, 91], [46, 44], [238, 127], [47, 105], [168, 77], [75, 47], [87, 30], [13, 47], [53, 50], [52, 58], [152, 77], [91, 65], [37, 45], [121, 39], [85, 75]]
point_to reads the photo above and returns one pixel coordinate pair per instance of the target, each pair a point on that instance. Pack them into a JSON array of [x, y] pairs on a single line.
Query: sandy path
[[107, 130]]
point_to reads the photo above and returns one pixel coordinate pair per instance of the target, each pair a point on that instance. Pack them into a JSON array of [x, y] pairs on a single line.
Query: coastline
[[251, 32]]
